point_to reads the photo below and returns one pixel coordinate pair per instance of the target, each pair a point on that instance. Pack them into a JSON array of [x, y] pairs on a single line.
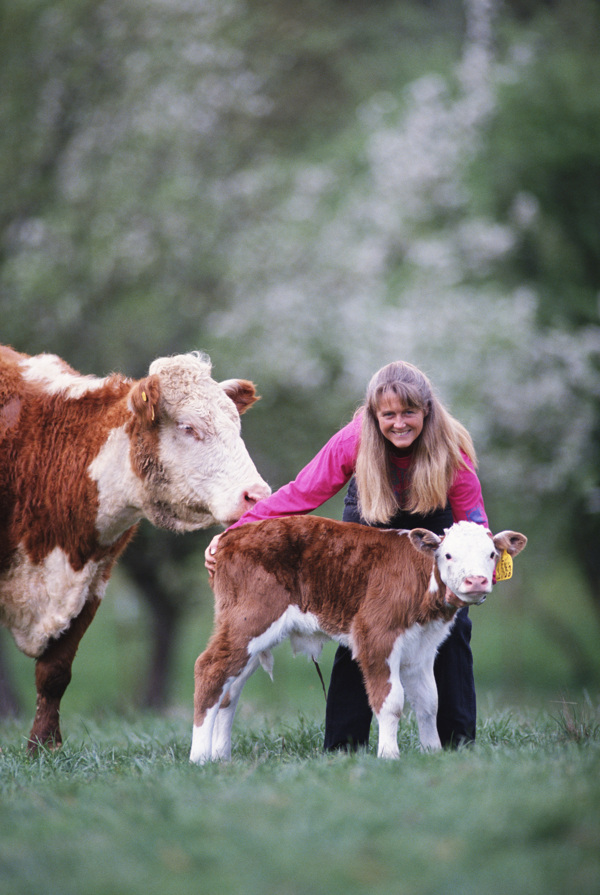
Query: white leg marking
[[201, 750], [421, 691], [391, 710], [416, 671], [221, 738]]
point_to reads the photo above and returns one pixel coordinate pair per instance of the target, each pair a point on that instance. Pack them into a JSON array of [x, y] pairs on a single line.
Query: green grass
[[120, 810]]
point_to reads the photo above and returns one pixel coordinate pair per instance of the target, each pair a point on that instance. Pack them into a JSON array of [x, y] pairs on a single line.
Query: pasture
[[119, 809]]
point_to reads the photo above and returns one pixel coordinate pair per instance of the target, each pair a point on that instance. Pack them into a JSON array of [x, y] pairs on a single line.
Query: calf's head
[[466, 558], [187, 447]]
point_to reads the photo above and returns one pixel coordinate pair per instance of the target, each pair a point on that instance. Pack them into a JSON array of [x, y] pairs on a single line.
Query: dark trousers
[[348, 714]]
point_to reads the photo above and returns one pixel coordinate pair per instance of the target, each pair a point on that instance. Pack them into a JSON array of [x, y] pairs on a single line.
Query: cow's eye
[[189, 430], [448, 556]]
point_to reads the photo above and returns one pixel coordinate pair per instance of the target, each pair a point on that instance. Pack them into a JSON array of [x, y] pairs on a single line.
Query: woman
[[411, 465]]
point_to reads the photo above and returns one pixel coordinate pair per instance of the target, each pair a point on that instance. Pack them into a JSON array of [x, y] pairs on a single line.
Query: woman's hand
[[210, 559]]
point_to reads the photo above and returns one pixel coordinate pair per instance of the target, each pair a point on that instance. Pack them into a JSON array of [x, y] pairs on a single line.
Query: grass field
[[119, 810]]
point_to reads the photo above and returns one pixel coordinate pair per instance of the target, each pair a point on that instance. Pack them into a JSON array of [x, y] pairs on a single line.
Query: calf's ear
[[511, 541], [242, 392], [144, 399], [423, 540]]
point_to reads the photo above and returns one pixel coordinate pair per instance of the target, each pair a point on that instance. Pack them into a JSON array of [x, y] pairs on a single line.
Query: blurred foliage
[[307, 192], [541, 166], [541, 162]]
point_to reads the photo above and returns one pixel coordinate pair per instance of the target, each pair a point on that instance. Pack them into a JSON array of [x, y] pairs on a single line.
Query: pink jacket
[[333, 467]]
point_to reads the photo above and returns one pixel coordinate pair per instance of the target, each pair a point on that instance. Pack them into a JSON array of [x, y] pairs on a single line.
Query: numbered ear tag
[[504, 569]]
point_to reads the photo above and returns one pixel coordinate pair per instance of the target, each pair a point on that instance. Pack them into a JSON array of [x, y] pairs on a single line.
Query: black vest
[[435, 522]]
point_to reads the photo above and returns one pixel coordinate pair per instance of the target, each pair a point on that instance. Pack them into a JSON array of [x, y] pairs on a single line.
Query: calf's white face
[[466, 557]]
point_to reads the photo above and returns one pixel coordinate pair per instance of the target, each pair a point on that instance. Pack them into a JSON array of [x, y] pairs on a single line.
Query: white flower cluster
[[380, 267]]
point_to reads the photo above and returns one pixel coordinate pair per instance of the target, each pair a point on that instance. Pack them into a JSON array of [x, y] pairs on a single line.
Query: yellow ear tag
[[144, 399], [504, 569]]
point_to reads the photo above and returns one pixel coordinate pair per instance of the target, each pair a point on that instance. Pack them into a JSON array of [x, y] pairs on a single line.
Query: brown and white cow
[[82, 460], [391, 596]]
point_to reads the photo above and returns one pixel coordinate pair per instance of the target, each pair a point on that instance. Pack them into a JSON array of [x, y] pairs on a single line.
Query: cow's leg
[[53, 675], [221, 738], [215, 671], [421, 692]]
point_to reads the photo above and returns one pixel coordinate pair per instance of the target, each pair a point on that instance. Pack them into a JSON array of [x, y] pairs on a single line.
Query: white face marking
[[208, 473], [466, 559], [48, 597], [207, 467]]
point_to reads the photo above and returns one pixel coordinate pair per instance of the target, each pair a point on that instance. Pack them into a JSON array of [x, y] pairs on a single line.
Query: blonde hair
[[436, 453]]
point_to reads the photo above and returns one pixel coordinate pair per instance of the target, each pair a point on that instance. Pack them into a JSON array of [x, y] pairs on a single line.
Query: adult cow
[[82, 460]]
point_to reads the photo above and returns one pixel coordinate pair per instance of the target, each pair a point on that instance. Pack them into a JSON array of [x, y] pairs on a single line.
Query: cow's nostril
[[256, 493]]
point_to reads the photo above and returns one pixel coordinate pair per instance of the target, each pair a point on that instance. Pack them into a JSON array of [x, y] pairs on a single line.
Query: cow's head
[[186, 445], [466, 558]]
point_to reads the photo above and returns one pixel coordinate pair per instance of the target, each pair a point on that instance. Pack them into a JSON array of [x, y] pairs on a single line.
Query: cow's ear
[[242, 392], [144, 398], [423, 540], [512, 541]]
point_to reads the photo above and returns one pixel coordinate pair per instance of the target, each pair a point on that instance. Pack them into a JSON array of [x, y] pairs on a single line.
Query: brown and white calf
[[82, 460], [391, 596]]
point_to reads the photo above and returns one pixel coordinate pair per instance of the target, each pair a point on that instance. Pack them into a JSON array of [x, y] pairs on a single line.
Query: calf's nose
[[475, 583]]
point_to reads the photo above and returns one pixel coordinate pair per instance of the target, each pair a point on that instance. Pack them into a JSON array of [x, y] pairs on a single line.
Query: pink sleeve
[[466, 499], [320, 479]]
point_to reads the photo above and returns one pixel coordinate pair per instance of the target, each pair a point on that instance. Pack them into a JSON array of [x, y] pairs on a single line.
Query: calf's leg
[[52, 677], [390, 710], [215, 671], [379, 660], [221, 737], [421, 692]]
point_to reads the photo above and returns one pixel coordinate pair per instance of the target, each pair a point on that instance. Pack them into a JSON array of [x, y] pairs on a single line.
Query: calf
[[82, 460], [391, 596]]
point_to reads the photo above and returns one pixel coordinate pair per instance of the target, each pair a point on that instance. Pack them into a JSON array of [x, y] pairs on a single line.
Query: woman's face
[[401, 425]]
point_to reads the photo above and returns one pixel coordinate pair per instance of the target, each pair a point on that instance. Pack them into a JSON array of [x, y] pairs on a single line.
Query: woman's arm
[[316, 483], [465, 497]]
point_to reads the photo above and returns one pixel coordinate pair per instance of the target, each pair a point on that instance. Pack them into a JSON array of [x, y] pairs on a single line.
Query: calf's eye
[[448, 556]]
